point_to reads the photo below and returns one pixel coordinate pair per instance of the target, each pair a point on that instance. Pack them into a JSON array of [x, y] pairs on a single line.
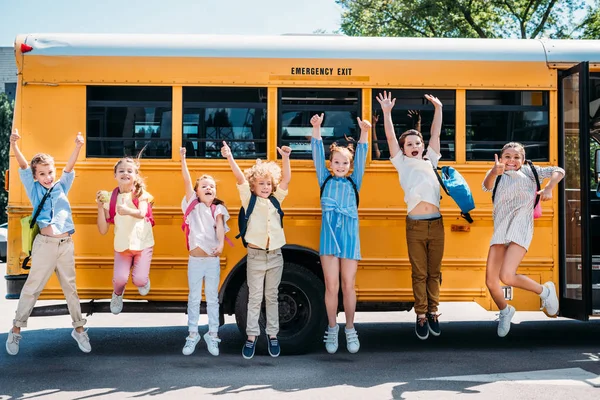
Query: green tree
[[6, 115], [523, 19]]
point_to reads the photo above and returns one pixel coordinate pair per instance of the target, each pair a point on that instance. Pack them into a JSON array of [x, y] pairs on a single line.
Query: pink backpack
[[186, 227], [112, 207]]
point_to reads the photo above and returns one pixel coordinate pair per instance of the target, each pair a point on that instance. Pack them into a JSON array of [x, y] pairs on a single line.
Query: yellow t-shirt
[[132, 233], [264, 225]]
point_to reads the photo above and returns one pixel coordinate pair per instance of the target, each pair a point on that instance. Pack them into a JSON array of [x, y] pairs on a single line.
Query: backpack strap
[[325, 183], [185, 226], [435, 170], [39, 208], [356, 195], [495, 187], [33, 221], [277, 205], [537, 182], [112, 206], [247, 213]]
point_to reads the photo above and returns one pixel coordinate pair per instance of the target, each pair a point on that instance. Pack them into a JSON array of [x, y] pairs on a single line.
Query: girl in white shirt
[[205, 227], [424, 224]]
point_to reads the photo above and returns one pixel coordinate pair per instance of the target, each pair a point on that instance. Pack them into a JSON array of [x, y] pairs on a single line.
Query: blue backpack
[[456, 187], [244, 216]]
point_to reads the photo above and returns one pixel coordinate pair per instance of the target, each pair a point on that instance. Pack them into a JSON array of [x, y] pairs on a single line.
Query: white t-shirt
[[203, 233], [418, 179]]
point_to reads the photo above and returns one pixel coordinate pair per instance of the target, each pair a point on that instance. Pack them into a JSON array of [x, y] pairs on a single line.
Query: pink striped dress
[[513, 205]]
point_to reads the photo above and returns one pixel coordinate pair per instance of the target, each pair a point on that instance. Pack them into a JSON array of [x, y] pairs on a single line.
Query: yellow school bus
[[164, 92]]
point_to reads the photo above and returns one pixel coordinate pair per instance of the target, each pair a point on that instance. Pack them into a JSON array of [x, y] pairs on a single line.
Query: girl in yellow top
[[134, 240]]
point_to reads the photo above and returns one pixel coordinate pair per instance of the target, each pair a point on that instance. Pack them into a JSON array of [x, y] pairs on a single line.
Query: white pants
[[205, 269]]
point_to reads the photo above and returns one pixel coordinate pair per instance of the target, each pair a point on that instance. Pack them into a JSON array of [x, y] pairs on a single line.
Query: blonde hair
[[216, 201], [263, 170], [514, 145], [41, 159], [345, 149], [139, 184]]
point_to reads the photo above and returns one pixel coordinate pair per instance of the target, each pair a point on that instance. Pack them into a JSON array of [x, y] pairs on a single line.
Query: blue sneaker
[[274, 348], [248, 349]]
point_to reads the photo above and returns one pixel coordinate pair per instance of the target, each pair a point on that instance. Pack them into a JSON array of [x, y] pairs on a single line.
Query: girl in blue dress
[[340, 244]]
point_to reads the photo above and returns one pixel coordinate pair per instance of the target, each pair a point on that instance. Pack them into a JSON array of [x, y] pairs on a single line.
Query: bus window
[[214, 114], [496, 117], [413, 111], [121, 120], [297, 106]]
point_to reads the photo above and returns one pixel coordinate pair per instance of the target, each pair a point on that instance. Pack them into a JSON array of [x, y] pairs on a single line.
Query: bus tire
[[302, 314]]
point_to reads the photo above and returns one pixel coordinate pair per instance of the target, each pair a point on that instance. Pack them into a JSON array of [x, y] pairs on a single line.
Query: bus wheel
[[302, 315]]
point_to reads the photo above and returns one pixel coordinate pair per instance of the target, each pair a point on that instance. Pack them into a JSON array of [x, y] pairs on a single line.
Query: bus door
[[579, 132]]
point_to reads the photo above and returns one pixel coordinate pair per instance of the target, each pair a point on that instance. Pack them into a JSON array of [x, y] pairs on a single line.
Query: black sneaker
[[248, 349], [422, 328], [434, 324], [274, 348]]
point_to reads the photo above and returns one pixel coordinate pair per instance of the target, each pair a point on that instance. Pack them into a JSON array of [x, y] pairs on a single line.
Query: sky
[[246, 17]]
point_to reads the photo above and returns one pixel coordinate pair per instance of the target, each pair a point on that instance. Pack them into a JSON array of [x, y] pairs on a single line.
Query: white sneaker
[[352, 343], [116, 304], [12, 343], [331, 339], [83, 340], [190, 344], [212, 344], [144, 289], [504, 321], [550, 303]]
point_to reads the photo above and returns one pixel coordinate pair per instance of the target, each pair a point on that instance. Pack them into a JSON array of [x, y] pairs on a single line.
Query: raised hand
[[79, 141], [182, 151], [498, 166], [386, 101], [225, 150], [317, 120], [15, 137], [284, 151], [364, 124], [433, 100], [375, 118]]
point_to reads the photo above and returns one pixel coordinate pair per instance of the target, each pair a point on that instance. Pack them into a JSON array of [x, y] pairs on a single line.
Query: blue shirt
[[56, 211]]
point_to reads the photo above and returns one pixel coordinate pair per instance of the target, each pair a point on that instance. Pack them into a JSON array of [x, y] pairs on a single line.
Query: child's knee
[[139, 281], [348, 286], [507, 277]]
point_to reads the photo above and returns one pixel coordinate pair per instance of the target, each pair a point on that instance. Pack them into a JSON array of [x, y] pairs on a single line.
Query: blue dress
[[339, 225]]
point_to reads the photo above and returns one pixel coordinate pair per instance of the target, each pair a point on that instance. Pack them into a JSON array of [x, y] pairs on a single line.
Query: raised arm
[[316, 122], [237, 172], [14, 138], [187, 179], [364, 126], [73, 159], [374, 138], [436, 125], [387, 103], [286, 177], [102, 214], [490, 179]]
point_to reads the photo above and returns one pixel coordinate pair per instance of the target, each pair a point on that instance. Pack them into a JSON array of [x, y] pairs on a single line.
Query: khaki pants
[[425, 250], [50, 255], [264, 270]]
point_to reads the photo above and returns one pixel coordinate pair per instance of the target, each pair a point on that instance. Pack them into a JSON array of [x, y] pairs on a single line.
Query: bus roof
[[313, 47]]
